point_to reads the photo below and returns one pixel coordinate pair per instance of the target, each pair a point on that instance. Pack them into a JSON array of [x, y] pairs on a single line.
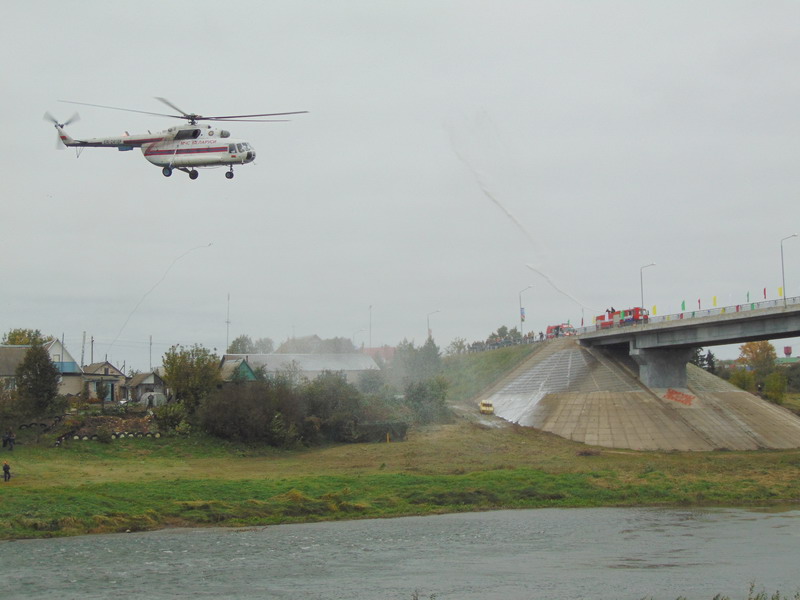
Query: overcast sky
[[450, 147]]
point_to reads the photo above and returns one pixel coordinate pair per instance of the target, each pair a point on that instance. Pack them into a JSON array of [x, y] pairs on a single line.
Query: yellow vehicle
[[486, 407]]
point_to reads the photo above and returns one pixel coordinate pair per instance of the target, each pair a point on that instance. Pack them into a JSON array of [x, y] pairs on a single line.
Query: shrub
[[170, 416]]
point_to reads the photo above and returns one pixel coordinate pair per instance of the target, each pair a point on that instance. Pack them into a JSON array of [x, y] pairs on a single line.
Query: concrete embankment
[[591, 396]]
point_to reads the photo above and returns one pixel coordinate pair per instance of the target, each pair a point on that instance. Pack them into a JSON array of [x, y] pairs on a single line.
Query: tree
[[457, 346], [428, 363], [335, 404], [697, 358], [37, 379], [263, 345], [711, 363], [775, 386], [759, 356], [25, 337], [101, 389], [427, 400], [743, 379], [245, 345], [242, 345], [191, 374]]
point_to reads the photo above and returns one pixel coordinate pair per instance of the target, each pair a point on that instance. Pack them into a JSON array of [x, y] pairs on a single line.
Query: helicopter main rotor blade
[[172, 106], [223, 118], [144, 112], [246, 120]]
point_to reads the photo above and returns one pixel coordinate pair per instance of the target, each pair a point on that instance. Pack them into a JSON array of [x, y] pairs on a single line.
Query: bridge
[[662, 347]]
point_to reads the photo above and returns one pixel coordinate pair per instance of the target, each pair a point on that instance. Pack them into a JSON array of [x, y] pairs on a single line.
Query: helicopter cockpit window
[[240, 147], [232, 148]]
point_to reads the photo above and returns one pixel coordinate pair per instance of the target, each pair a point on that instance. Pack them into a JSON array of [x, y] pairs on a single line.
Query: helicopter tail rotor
[[59, 126]]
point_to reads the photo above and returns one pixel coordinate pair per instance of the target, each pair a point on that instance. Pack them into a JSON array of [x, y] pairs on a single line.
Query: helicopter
[[183, 147]]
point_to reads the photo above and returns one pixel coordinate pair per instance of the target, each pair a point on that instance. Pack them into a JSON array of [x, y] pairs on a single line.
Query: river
[[598, 554]]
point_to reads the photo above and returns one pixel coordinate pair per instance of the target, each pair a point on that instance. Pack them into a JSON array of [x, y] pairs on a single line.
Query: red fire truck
[[561, 330], [615, 318]]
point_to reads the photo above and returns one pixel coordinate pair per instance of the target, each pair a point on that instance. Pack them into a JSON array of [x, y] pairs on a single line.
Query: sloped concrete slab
[[591, 397]]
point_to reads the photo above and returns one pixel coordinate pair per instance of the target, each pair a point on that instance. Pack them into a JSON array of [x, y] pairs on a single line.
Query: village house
[[236, 369], [71, 382], [108, 374], [148, 389]]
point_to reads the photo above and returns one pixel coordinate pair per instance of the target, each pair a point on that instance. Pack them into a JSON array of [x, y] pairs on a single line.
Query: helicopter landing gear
[[167, 171], [193, 174], [229, 174]]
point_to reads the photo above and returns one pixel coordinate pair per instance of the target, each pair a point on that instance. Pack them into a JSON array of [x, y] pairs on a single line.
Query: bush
[[775, 386], [170, 416]]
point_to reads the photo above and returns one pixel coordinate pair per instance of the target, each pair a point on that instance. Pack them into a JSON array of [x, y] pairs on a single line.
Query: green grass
[[176, 489]]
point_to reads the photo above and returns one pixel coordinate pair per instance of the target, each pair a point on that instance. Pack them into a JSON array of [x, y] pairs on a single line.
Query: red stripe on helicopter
[[186, 151]]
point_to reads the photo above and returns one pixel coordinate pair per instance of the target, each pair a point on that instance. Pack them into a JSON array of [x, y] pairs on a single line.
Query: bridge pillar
[[662, 367]]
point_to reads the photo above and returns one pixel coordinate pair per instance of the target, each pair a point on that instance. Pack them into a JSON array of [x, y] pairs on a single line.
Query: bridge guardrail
[[694, 314]]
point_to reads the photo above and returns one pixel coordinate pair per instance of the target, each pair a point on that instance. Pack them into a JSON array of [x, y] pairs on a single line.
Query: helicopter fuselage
[[181, 147]]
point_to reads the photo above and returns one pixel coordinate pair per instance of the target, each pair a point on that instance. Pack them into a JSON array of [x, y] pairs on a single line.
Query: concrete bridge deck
[[590, 395]]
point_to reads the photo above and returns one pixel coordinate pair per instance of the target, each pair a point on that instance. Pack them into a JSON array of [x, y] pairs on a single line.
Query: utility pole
[[91, 347], [83, 349], [228, 324]]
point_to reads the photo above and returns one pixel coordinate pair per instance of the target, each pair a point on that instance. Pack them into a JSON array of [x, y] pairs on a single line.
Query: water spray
[[148, 292]]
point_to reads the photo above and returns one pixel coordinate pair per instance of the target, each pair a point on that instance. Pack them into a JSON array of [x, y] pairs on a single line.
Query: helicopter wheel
[[193, 174], [167, 171], [229, 174]]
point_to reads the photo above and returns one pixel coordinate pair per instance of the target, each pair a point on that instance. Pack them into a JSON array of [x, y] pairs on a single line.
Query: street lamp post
[[641, 281], [429, 321], [783, 276], [521, 318]]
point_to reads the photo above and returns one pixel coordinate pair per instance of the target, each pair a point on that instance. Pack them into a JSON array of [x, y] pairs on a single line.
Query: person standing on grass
[[6, 471]]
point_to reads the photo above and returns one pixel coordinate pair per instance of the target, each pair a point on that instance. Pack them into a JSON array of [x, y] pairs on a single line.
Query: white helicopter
[[184, 147]]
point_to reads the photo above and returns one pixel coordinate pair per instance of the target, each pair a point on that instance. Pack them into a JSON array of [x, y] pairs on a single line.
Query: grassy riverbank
[[138, 484]]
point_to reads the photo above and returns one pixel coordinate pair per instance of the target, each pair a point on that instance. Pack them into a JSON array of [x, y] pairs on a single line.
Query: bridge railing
[[708, 312]]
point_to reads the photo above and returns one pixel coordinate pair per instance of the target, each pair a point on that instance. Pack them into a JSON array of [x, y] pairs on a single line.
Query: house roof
[[235, 366], [141, 378], [308, 362], [10, 357], [99, 368]]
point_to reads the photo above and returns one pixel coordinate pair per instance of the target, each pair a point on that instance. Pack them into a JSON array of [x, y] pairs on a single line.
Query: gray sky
[[609, 134]]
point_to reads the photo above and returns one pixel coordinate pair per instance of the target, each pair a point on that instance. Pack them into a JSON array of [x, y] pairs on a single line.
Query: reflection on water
[[547, 553]]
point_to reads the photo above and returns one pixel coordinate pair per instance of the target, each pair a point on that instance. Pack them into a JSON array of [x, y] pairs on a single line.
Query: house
[[146, 388], [71, 375], [10, 358], [236, 369], [310, 366], [106, 373]]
